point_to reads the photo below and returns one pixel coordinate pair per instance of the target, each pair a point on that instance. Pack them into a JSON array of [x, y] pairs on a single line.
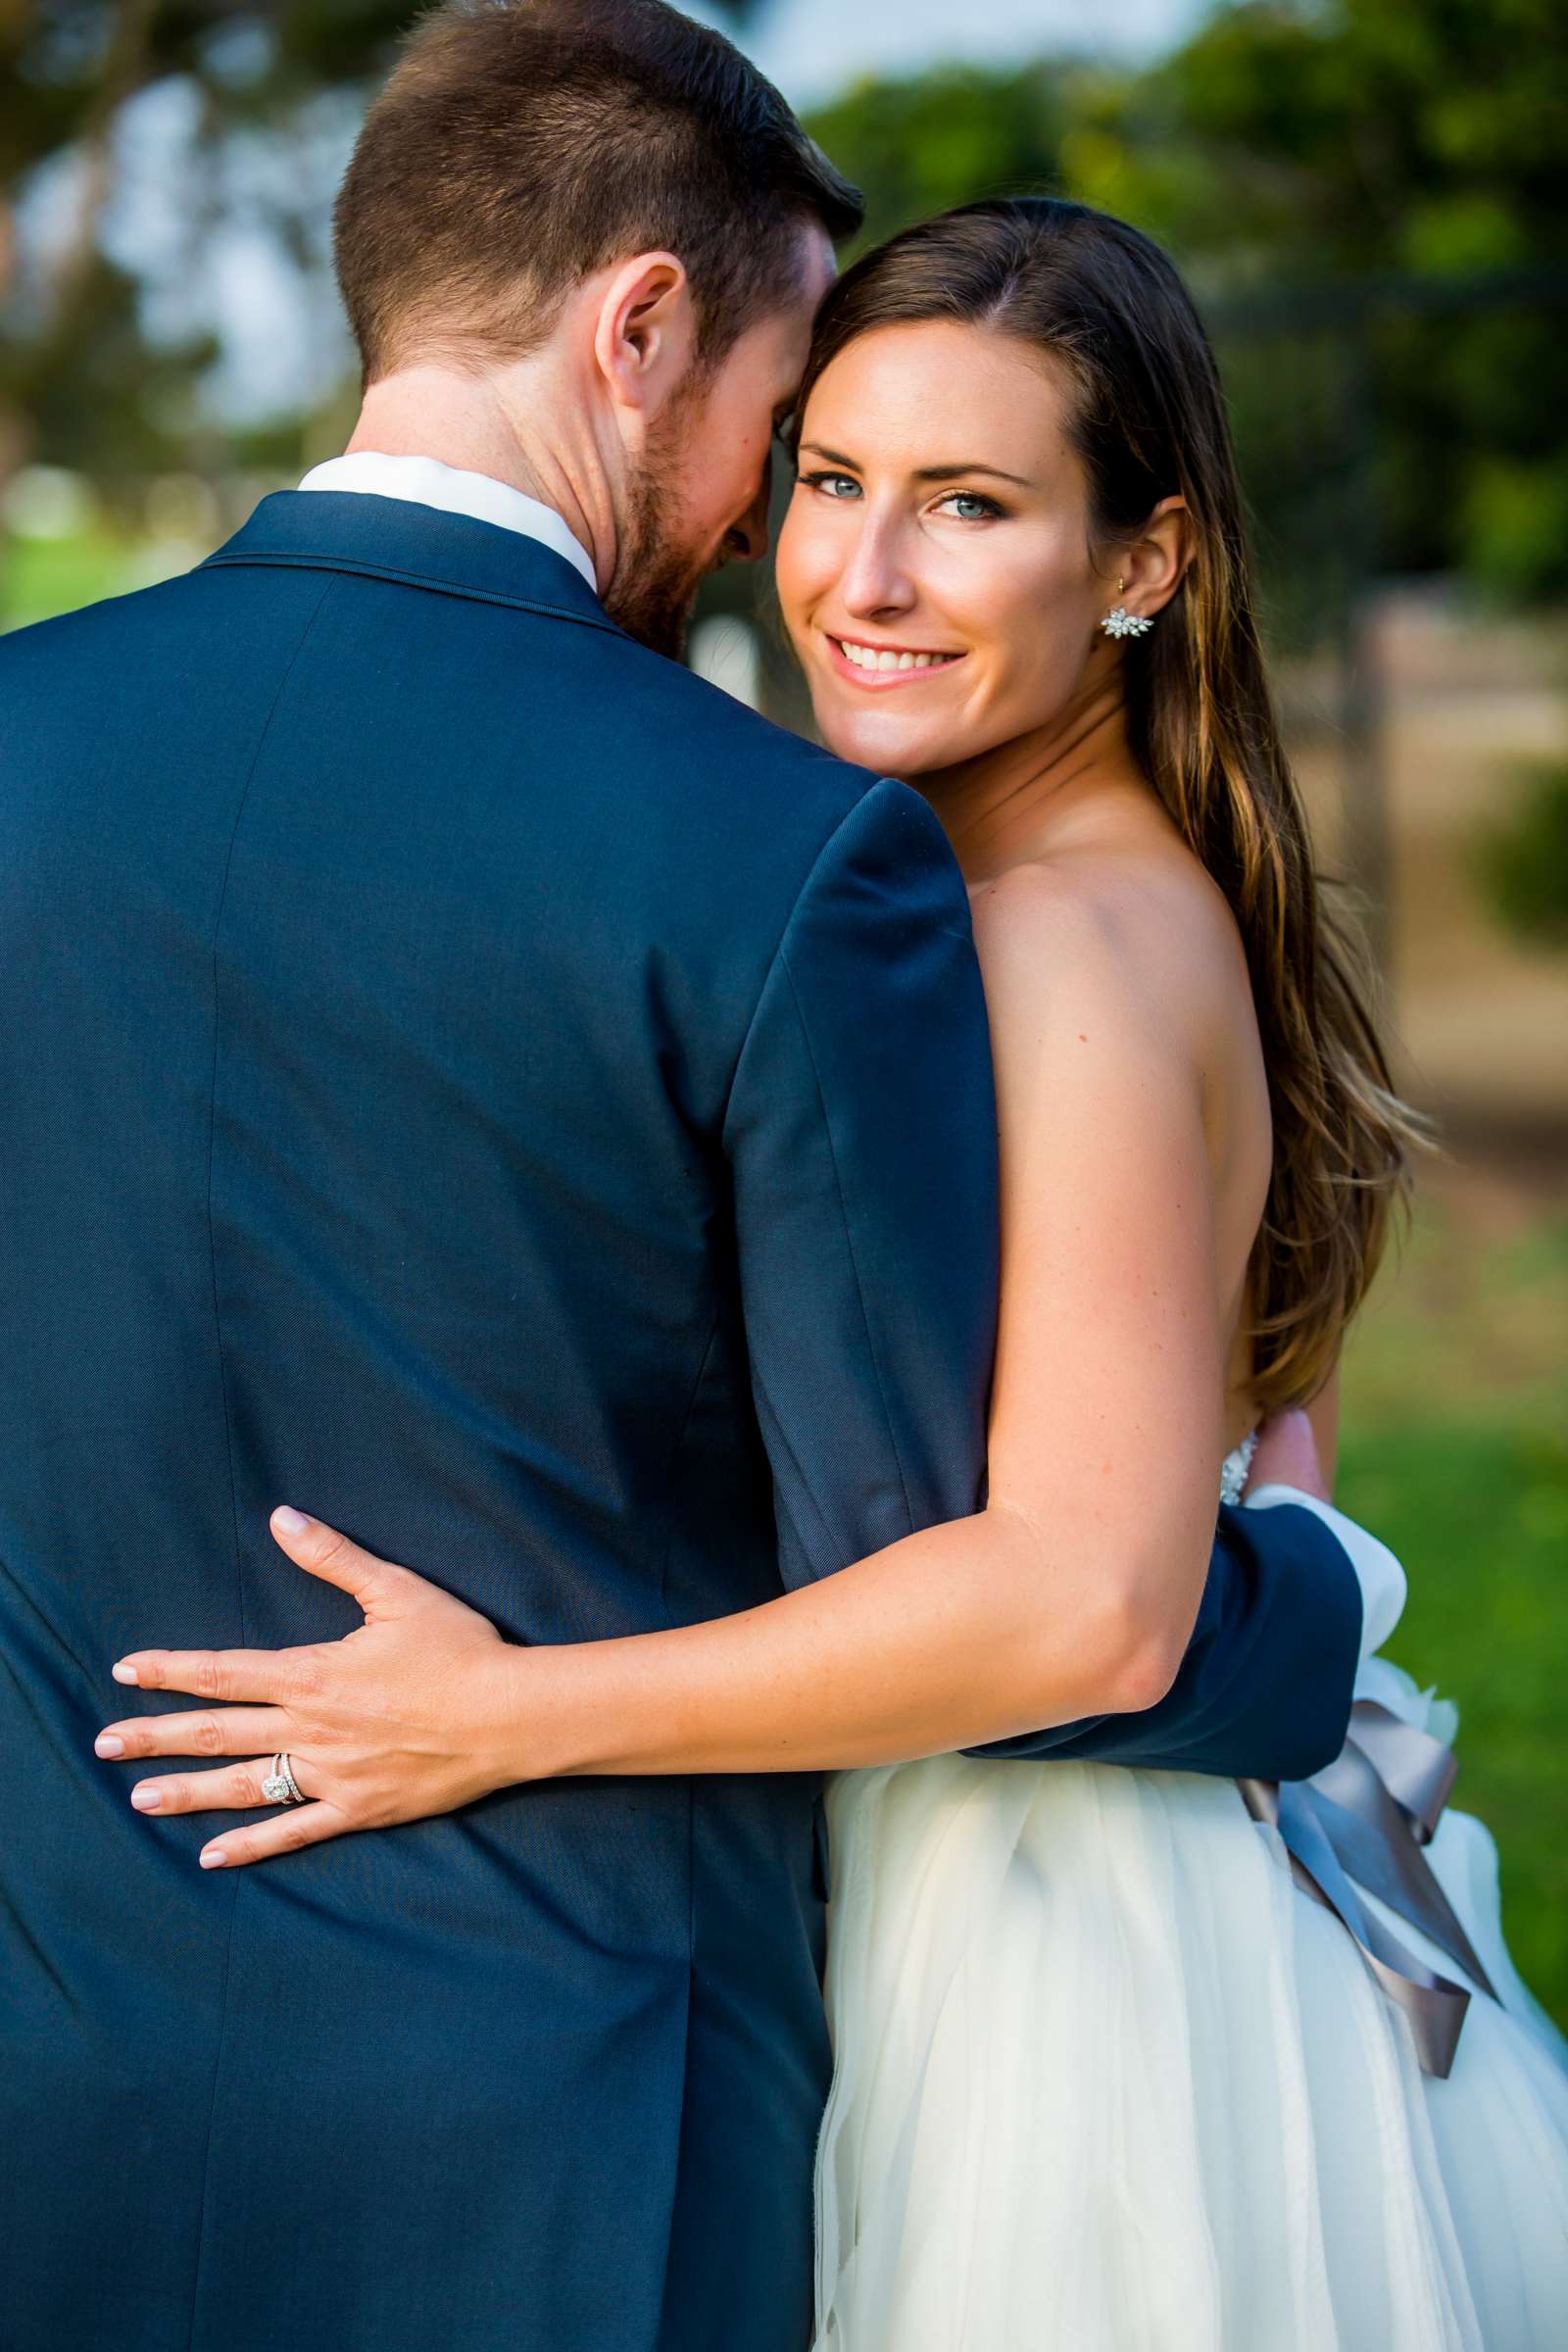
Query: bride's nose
[[876, 578]]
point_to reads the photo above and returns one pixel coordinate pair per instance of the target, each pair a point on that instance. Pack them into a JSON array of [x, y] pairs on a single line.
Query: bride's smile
[[878, 666]]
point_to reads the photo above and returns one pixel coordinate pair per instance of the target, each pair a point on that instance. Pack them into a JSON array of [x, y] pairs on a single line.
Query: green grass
[[1455, 1450], [40, 577]]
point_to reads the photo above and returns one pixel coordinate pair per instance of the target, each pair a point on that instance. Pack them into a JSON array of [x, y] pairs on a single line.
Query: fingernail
[[106, 1744], [214, 1858], [146, 1799], [123, 1673], [291, 1522]]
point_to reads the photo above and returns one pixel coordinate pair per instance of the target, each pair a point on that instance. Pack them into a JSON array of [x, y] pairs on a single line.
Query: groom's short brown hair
[[519, 145]]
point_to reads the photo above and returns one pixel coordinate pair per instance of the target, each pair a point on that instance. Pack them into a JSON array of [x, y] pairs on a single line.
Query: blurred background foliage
[[1369, 200], [1397, 169], [1389, 167], [1525, 860]]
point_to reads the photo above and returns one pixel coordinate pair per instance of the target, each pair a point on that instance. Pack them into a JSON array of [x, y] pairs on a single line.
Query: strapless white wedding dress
[[1107, 2080]]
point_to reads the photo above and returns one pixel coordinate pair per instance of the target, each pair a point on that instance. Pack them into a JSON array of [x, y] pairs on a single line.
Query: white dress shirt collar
[[431, 483]]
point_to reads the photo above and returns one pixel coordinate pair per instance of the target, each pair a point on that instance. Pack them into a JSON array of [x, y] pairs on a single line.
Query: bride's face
[[934, 567]]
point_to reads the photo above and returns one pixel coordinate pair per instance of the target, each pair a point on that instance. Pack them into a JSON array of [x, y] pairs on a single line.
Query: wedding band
[[280, 1788]]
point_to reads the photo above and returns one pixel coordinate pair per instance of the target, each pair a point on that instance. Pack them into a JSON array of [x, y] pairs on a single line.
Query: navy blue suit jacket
[[464, 1075]]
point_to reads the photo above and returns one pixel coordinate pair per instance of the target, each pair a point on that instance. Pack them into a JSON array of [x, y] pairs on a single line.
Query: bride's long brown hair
[[1147, 419]]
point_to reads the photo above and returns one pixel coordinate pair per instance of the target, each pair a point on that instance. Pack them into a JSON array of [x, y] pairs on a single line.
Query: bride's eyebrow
[[923, 473], [951, 474]]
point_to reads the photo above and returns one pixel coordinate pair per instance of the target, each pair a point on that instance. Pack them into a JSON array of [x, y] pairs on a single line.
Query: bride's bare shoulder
[[1141, 921]]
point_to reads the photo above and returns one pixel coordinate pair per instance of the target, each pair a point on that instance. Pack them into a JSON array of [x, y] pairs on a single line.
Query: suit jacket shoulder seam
[[776, 955]]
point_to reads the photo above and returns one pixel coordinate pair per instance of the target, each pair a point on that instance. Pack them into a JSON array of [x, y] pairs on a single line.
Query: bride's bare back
[[1133, 1103]]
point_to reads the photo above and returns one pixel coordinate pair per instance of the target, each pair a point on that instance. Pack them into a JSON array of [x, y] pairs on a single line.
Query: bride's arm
[[1074, 1592]]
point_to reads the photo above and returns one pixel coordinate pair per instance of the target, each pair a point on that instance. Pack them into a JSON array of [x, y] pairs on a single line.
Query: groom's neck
[[519, 429]]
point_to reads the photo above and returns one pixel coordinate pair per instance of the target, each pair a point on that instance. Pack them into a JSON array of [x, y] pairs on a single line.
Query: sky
[[284, 342], [810, 48]]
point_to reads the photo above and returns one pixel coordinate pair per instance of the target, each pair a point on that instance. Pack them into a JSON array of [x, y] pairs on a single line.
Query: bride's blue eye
[[821, 481], [982, 510]]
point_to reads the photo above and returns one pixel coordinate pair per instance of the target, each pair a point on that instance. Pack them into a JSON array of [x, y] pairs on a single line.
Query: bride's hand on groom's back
[[401, 1719]]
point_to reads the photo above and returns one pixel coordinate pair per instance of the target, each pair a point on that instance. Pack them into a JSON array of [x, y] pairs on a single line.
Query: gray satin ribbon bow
[[1366, 1817]]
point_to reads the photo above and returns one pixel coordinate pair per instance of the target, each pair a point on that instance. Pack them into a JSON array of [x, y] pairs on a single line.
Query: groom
[[409, 1107]]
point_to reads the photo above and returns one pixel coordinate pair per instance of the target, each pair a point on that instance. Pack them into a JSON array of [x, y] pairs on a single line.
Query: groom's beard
[[657, 577]]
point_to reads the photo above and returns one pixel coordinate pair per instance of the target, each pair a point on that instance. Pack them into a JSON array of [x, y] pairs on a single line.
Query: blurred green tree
[[1523, 863], [1412, 154], [68, 70], [1387, 168], [947, 137]]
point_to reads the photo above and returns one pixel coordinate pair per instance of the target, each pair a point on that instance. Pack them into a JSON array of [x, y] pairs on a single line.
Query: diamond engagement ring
[[280, 1788]]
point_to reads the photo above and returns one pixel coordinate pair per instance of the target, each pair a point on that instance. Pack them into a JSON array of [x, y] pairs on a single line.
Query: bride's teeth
[[871, 657]]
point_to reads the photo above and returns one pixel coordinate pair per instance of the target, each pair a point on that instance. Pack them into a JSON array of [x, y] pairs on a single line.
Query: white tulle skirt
[[1108, 2081]]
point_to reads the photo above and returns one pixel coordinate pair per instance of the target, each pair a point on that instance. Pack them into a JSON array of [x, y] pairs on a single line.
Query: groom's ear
[[645, 337]]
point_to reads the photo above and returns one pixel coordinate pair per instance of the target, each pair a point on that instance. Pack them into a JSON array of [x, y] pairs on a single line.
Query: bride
[[1111, 2074]]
